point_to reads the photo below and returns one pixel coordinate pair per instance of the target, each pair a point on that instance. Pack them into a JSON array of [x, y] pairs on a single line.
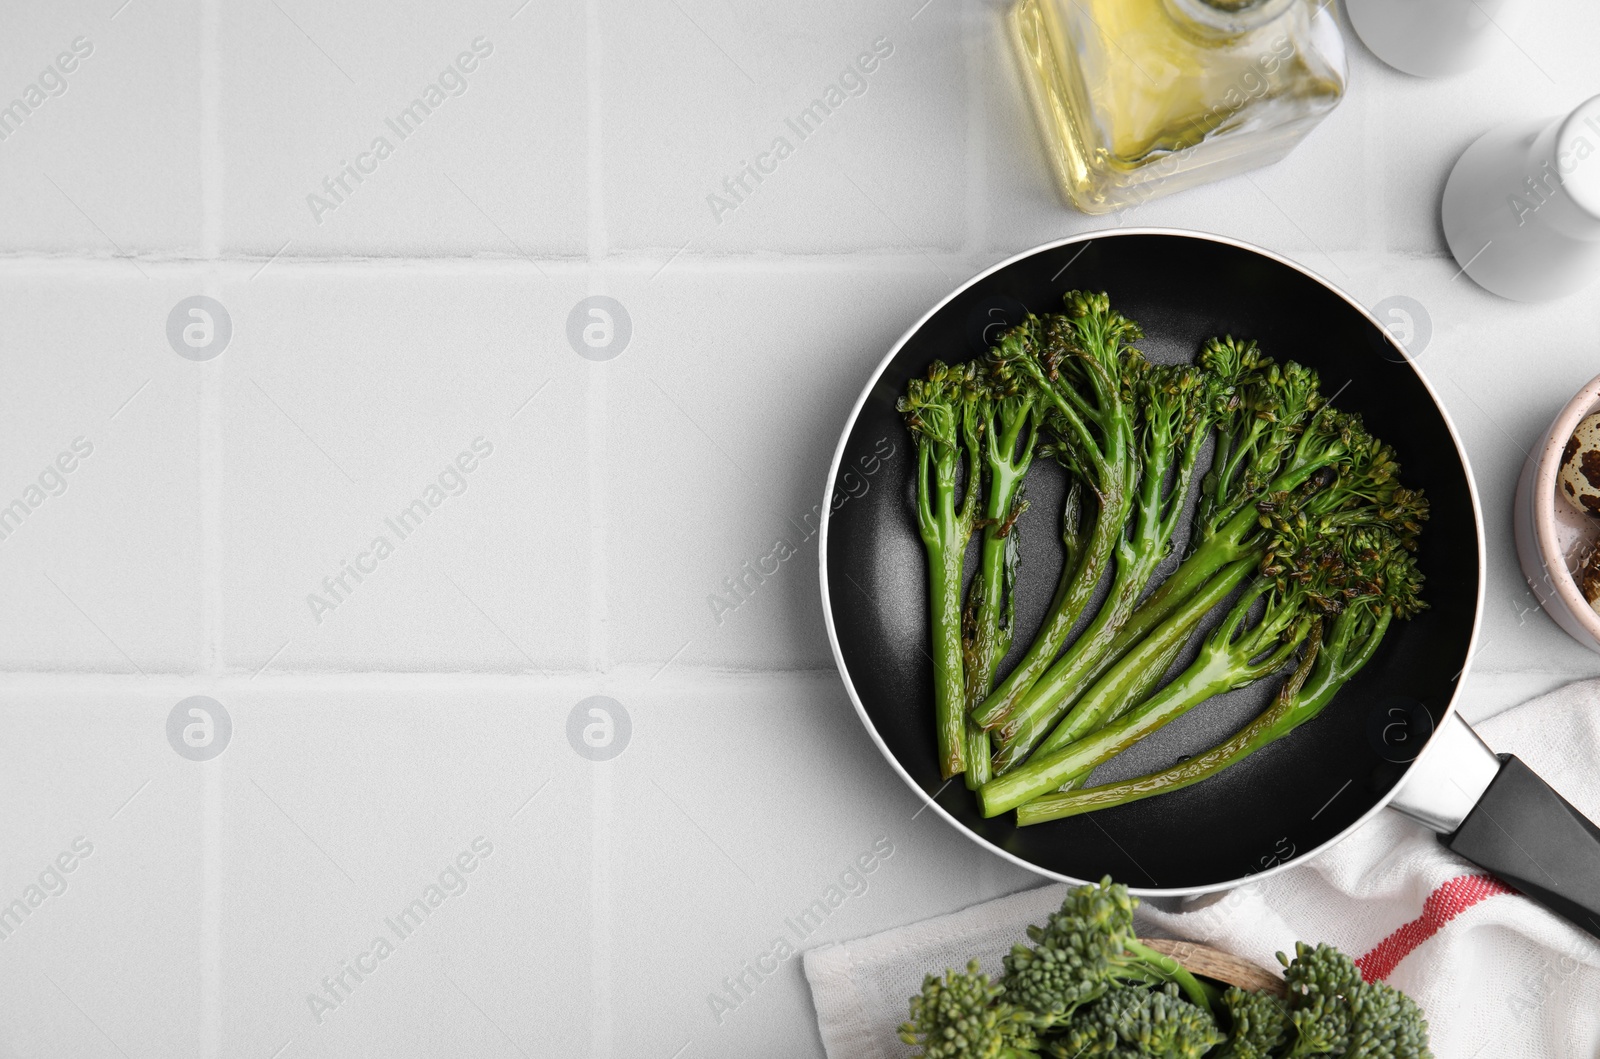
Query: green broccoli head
[[962, 1016], [1323, 986], [1384, 571], [1360, 483], [1074, 955], [1336, 1012], [1297, 394], [1386, 1024], [1175, 400], [1264, 412], [1138, 1023], [1092, 314], [1003, 363], [934, 406], [1259, 1025], [1090, 343], [1231, 363]]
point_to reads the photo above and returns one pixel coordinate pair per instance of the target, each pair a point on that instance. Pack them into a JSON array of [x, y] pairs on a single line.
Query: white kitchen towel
[[1497, 975]]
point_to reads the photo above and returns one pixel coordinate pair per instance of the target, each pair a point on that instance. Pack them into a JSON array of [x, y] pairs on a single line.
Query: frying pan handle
[[1496, 812], [1531, 837]]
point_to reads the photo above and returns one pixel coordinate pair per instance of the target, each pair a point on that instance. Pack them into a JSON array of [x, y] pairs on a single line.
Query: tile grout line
[[870, 259], [596, 401], [61, 682], [211, 478], [640, 262]]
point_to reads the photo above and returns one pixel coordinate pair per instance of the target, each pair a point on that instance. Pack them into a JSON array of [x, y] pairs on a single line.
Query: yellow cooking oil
[[1139, 98]]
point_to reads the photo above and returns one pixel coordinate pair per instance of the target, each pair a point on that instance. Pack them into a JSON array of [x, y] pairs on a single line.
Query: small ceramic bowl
[[1552, 537]]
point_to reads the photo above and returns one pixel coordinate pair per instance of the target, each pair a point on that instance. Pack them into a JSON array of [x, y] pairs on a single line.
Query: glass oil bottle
[[1139, 98]]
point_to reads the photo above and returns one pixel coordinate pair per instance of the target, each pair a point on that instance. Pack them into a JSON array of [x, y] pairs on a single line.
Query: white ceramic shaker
[[1432, 38], [1522, 206]]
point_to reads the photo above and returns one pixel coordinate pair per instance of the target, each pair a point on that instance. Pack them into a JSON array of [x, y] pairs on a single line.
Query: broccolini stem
[[1247, 740], [1235, 538], [1138, 558], [1073, 592], [1130, 681], [949, 689], [991, 603], [1090, 339], [1215, 670], [1202, 996], [978, 751], [1033, 713], [1141, 689], [1229, 544], [1336, 649], [1075, 674]]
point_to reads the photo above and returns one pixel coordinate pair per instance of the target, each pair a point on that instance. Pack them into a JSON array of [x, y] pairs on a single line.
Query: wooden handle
[[1221, 966]]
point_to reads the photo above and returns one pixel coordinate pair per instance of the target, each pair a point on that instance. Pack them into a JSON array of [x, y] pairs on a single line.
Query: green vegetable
[[1298, 582], [1332, 657], [1335, 1012], [1084, 950], [1176, 406], [1258, 1025], [1272, 439], [1288, 472], [943, 412], [1359, 489], [1009, 431], [1081, 367], [1086, 987], [1133, 1023], [962, 1017]]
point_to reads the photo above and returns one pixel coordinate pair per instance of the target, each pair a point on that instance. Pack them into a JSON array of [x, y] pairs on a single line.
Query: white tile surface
[[115, 959], [351, 395], [306, 90], [108, 156], [900, 112], [101, 574], [431, 307]]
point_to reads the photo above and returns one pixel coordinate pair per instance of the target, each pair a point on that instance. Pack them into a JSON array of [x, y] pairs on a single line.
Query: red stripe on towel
[[1449, 900]]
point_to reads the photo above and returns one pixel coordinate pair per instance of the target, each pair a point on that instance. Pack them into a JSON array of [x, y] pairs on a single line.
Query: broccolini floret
[[1133, 1023], [1337, 1013], [1388, 1025], [962, 1016], [1322, 982], [1258, 1025], [1087, 988], [1084, 950]]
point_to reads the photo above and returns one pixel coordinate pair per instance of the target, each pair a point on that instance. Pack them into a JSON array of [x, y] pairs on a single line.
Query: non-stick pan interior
[[1291, 797]]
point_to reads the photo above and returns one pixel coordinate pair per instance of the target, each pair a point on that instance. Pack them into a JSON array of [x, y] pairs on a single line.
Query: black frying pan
[[1296, 796]]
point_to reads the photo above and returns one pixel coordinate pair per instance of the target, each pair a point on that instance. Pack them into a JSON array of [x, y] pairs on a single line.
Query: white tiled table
[[375, 340]]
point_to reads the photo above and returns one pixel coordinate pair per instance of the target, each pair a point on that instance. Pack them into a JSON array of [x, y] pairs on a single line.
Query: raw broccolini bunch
[[1086, 987]]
